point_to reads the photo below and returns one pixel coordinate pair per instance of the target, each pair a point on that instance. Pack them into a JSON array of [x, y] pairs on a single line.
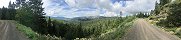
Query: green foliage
[[8, 13], [157, 9], [119, 31], [178, 32], [26, 30], [163, 2], [168, 14], [30, 13], [104, 28], [24, 16], [175, 15], [33, 35]]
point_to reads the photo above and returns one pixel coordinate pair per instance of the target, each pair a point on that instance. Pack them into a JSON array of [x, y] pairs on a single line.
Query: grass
[[33, 35], [173, 30], [118, 33], [26, 30]]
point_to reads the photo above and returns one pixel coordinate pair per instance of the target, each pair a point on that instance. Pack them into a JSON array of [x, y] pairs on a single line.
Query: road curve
[[8, 31], [142, 30]]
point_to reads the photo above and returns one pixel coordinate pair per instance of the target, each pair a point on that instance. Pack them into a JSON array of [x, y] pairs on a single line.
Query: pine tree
[[157, 8], [0, 13], [38, 13], [4, 11], [49, 26], [30, 13], [11, 10]]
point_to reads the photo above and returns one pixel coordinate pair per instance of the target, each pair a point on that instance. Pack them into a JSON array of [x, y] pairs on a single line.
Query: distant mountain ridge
[[86, 18], [61, 18]]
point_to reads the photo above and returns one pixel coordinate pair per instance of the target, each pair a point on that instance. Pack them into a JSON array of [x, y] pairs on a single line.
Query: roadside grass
[[26, 30], [120, 31], [173, 30], [33, 35], [178, 32]]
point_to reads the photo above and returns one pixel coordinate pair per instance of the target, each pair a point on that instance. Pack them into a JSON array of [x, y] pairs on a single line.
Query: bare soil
[[8, 31]]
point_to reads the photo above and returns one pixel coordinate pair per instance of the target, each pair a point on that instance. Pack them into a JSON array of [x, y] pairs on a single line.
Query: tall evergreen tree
[[4, 11], [0, 13], [11, 10], [38, 13], [49, 25], [31, 14], [157, 8]]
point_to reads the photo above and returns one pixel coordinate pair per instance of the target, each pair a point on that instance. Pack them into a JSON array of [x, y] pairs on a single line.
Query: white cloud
[[71, 3], [111, 9], [139, 6], [5, 3], [71, 13], [92, 13], [104, 4], [87, 3], [109, 14], [57, 10]]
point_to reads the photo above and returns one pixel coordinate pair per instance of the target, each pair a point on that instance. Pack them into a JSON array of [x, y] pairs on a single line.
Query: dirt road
[[8, 31], [142, 30]]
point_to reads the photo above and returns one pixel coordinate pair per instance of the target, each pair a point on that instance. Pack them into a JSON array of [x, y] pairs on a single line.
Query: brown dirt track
[[8, 31], [142, 30]]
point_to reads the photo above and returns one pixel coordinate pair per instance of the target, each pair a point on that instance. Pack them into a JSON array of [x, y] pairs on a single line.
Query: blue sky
[[108, 8], [79, 8]]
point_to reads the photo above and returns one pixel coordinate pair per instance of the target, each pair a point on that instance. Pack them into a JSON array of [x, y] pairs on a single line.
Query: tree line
[[27, 12], [142, 15], [8, 13]]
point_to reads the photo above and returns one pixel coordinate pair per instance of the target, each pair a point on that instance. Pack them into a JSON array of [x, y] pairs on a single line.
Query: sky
[[5, 3], [79, 8]]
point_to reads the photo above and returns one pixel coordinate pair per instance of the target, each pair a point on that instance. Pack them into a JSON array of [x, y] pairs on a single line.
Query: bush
[[33, 35]]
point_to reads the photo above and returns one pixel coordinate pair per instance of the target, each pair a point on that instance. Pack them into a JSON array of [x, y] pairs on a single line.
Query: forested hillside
[[95, 29], [167, 14], [31, 20]]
